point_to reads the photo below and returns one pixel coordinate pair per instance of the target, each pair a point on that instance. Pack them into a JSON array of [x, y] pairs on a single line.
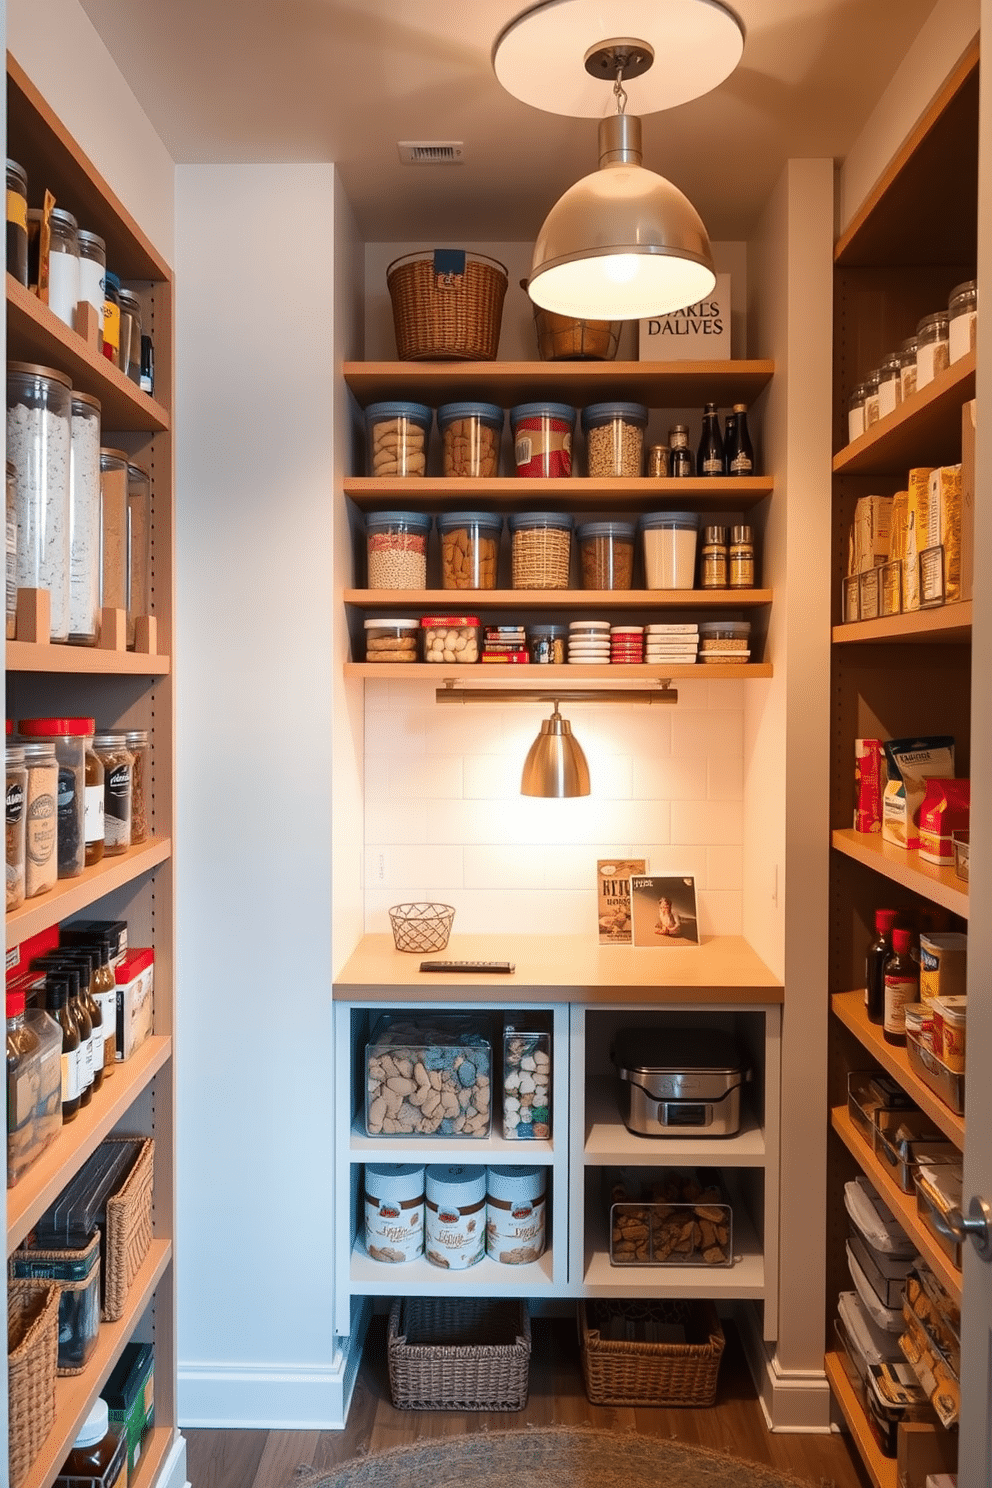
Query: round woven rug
[[552, 1456]]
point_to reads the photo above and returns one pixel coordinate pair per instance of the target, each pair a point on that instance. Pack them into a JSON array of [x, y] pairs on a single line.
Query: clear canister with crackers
[[398, 435], [471, 435], [469, 549], [392, 640]]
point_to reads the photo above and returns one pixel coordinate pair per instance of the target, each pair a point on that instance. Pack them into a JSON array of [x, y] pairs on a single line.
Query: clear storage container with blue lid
[[542, 438], [541, 548], [396, 544], [469, 549], [606, 554], [614, 439], [471, 435], [669, 540], [398, 434]]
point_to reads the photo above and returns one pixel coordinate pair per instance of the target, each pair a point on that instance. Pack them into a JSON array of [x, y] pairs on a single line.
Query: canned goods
[[455, 1222], [394, 1211], [515, 1212]]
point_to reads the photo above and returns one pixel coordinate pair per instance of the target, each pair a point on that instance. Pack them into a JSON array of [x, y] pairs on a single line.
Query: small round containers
[[451, 638], [470, 435], [932, 348], [962, 319], [398, 435], [606, 554], [626, 645], [542, 439], [541, 549], [669, 540], [469, 549], [589, 642], [724, 642], [391, 640], [614, 438], [396, 546]]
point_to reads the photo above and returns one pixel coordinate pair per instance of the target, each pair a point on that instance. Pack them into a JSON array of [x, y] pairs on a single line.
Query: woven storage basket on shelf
[[447, 305], [458, 1353], [129, 1230], [32, 1351], [635, 1371], [78, 1299]]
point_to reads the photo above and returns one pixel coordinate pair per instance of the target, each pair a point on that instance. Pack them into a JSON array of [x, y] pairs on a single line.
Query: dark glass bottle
[[87, 961], [902, 985], [740, 454], [729, 435], [875, 958], [709, 461], [57, 1005], [78, 1010], [680, 461]]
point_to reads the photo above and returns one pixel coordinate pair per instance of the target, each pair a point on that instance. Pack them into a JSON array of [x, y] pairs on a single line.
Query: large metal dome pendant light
[[622, 243]]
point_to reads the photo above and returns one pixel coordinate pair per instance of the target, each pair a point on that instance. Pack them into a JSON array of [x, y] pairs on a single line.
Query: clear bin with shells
[[527, 1079]]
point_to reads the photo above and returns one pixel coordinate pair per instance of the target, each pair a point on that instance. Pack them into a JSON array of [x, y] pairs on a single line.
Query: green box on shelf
[[130, 1397]]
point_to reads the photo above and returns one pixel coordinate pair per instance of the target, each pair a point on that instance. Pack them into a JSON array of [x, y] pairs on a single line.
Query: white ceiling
[[308, 80]]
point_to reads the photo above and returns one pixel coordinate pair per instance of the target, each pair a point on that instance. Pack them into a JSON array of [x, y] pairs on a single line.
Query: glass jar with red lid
[[70, 737]]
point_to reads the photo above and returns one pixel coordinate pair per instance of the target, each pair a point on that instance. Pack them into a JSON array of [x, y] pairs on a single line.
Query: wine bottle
[[709, 460], [740, 455], [875, 958]]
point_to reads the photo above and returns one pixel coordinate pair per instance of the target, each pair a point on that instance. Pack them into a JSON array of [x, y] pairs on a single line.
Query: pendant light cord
[[620, 93]]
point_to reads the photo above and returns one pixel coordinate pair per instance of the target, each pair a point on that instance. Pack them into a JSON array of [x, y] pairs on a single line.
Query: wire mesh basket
[[421, 927]]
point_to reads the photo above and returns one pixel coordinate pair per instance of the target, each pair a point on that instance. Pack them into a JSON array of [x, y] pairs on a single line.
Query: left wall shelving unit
[[121, 690]]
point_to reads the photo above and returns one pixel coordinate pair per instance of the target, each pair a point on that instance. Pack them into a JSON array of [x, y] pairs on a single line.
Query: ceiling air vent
[[431, 152]]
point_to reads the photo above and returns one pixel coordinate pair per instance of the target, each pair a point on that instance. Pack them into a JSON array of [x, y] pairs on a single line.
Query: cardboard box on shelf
[[869, 542], [917, 526], [923, 1450], [968, 500], [135, 999]]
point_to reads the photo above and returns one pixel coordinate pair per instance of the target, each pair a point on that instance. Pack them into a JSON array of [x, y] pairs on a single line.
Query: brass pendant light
[[555, 764]]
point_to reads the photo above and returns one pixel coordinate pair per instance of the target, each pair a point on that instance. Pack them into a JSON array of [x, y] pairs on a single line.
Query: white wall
[[255, 478], [65, 58]]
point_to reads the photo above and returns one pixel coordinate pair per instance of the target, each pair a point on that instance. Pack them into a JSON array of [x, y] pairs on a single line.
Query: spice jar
[[614, 438], [84, 521], [69, 737], [136, 741], [92, 272], [740, 568], [471, 434], [680, 458], [11, 570], [669, 540], [117, 770], [396, 545], [99, 1453], [112, 318], [547, 644], [391, 640], [17, 222], [139, 546], [130, 358], [907, 366], [41, 863], [542, 438], [962, 319], [606, 554], [856, 411], [397, 438], [16, 794], [93, 823], [541, 547], [889, 386], [113, 534], [38, 439], [63, 265], [713, 559], [657, 460], [932, 348], [469, 549]]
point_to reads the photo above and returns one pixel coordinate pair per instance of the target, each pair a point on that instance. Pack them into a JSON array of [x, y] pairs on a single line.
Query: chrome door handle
[[976, 1225]]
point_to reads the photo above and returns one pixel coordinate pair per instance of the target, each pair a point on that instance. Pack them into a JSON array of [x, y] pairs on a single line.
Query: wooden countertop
[[562, 968]]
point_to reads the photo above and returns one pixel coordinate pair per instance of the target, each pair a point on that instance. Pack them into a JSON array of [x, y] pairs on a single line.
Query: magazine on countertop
[[613, 900], [663, 910]]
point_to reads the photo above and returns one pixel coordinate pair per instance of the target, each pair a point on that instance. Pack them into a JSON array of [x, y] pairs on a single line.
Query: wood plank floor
[[267, 1459]]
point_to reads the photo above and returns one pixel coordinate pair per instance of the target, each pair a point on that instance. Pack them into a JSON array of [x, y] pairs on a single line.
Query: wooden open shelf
[[850, 1009], [472, 601], [577, 494], [925, 430], [70, 895], [906, 868], [655, 384], [542, 677], [28, 656], [882, 1470], [949, 623], [903, 1205]]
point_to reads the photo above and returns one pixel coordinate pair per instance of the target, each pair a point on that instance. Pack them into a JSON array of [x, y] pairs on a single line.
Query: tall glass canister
[[139, 551], [92, 271], [113, 548], [63, 265], [84, 521], [38, 440]]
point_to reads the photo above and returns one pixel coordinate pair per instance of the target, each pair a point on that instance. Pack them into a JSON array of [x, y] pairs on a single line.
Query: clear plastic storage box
[[429, 1075], [527, 1080]]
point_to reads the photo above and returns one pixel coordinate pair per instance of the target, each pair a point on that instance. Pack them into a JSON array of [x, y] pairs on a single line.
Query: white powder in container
[[84, 521], [38, 438], [670, 549]]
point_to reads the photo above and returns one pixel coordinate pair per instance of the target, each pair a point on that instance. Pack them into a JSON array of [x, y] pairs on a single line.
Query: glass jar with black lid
[[17, 222]]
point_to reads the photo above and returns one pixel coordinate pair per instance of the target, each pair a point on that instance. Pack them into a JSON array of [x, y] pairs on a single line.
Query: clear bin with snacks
[[398, 435], [469, 549], [388, 640], [450, 638], [396, 549], [470, 437]]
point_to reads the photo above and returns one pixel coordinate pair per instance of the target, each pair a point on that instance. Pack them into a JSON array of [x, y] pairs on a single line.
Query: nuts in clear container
[[469, 549], [614, 438], [391, 640], [396, 546], [451, 638], [397, 438], [471, 435]]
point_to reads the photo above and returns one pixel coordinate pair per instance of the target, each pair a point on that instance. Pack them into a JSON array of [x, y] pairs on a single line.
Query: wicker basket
[[129, 1230], [32, 1350], [634, 1371], [447, 305], [79, 1298], [421, 927], [458, 1353]]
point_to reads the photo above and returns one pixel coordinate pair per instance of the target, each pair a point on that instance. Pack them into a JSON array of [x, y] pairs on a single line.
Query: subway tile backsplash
[[444, 818]]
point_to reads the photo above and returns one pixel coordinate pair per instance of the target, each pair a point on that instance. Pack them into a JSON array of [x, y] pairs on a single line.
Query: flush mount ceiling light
[[623, 243]]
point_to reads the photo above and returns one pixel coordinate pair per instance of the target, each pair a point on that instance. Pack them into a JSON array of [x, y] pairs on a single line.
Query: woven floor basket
[[439, 316], [129, 1230], [32, 1351], [458, 1353], [635, 1372]]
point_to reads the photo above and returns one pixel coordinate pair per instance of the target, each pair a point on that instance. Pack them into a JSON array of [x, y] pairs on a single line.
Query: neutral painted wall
[[255, 476]]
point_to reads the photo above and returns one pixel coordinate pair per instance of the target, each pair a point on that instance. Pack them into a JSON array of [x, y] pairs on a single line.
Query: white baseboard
[[172, 1473], [798, 1401]]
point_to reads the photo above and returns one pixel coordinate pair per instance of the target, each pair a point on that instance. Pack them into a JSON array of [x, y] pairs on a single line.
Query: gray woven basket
[[458, 1353]]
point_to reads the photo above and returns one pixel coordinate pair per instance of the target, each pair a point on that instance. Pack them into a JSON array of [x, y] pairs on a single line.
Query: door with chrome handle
[[975, 1226]]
